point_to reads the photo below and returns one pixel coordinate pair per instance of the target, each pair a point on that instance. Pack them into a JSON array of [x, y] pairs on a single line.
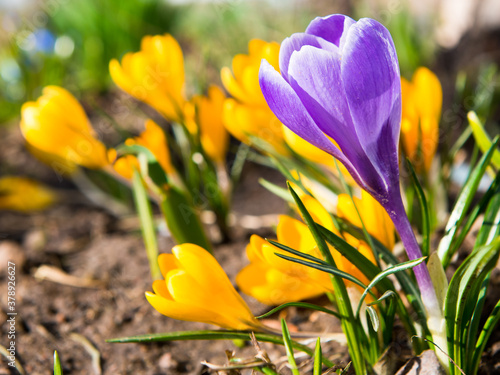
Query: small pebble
[[11, 252], [166, 362], [425, 364]]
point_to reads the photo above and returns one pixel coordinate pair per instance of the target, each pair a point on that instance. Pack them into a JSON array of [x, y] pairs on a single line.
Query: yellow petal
[[214, 136], [24, 195], [243, 120], [56, 124], [272, 287], [154, 75], [204, 269], [154, 139]]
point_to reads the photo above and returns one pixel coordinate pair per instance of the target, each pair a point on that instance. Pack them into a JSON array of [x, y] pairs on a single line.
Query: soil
[[90, 244], [106, 251]]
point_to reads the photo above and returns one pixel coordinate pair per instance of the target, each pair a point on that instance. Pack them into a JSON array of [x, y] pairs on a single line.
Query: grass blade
[[462, 297], [318, 358], [491, 223], [57, 364], [482, 138], [213, 335], [297, 253], [304, 305], [148, 229], [382, 275], [462, 205], [485, 334], [288, 347], [328, 269]]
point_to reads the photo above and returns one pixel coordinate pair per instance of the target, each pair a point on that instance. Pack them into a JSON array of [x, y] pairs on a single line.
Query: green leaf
[[350, 325], [147, 223], [485, 334], [304, 305], [438, 277], [328, 269], [212, 335], [318, 358], [276, 190], [490, 229], [476, 210], [182, 218], [288, 347], [296, 252], [57, 364], [426, 219], [373, 318], [482, 138], [370, 270], [462, 205], [462, 297], [382, 275]]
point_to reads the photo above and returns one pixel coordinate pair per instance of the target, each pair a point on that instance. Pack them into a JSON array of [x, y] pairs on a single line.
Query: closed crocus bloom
[[422, 101], [248, 113], [57, 124], [213, 135], [340, 80], [197, 289], [25, 195], [154, 75], [273, 280], [368, 212], [154, 139]]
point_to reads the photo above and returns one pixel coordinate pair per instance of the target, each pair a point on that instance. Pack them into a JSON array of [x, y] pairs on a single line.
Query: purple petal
[[314, 75], [370, 73], [287, 106], [295, 43], [332, 28]]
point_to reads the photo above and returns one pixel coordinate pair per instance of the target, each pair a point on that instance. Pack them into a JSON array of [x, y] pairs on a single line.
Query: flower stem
[[397, 213]]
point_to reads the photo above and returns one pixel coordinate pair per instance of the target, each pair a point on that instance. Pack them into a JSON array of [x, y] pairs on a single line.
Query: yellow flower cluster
[[155, 75], [273, 280]]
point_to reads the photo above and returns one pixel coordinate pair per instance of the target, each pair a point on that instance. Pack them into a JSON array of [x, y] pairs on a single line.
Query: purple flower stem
[[397, 213]]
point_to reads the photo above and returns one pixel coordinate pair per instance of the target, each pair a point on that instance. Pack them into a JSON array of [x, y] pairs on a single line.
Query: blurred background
[[70, 42]]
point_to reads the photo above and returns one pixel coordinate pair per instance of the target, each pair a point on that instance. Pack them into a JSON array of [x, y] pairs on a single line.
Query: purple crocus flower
[[340, 80]]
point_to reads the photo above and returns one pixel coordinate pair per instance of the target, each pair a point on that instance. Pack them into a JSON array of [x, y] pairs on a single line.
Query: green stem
[[147, 224]]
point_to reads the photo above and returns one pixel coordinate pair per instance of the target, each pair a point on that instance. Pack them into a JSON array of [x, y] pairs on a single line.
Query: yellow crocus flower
[[247, 113], [56, 124], [204, 115], [154, 75], [422, 101], [25, 195], [273, 280], [197, 289], [370, 212], [154, 139]]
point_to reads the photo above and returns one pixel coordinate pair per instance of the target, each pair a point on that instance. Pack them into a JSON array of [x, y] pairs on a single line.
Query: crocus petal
[[332, 28], [295, 43], [374, 96], [315, 76], [183, 311], [287, 106]]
